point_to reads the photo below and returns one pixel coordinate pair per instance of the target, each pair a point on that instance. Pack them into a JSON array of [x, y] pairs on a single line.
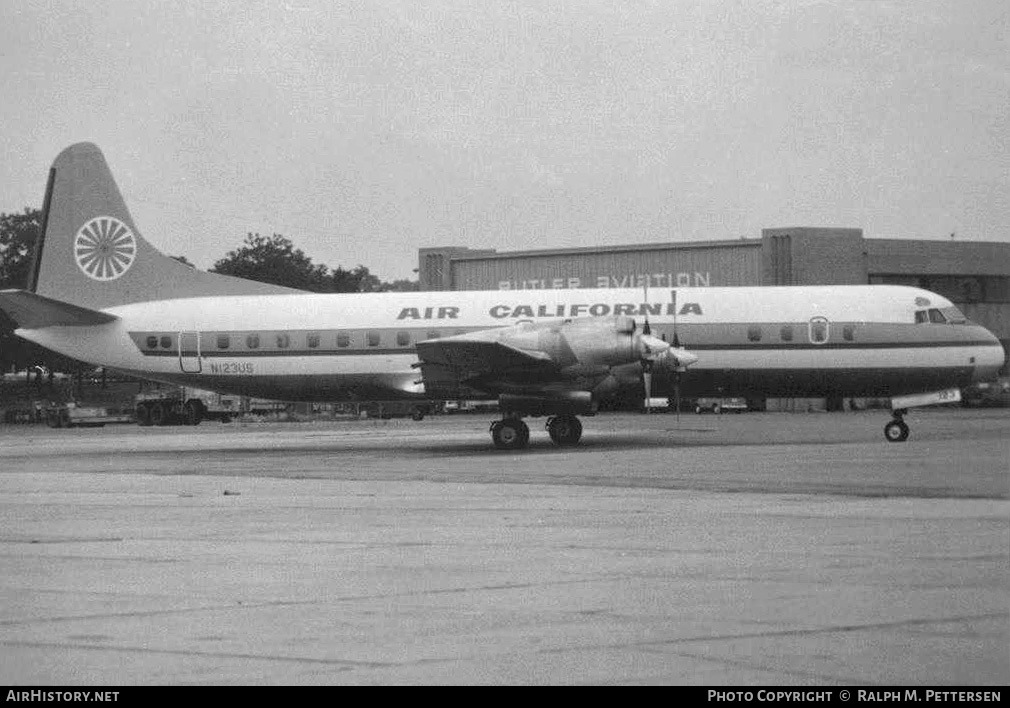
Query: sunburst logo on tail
[[105, 248]]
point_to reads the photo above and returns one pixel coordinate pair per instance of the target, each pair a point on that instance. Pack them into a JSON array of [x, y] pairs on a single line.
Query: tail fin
[[92, 254]]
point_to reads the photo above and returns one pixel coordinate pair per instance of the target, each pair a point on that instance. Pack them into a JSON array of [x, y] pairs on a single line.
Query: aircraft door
[[189, 352], [819, 330]]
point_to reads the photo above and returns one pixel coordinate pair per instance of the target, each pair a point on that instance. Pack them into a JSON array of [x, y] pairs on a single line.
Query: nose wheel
[[897, 430]]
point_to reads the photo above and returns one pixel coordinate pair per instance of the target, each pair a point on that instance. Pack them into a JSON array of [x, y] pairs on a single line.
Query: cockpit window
[[941, 315], [953, 315]]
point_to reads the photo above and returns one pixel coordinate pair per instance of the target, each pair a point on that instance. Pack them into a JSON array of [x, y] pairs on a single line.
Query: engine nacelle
[[602, 341]]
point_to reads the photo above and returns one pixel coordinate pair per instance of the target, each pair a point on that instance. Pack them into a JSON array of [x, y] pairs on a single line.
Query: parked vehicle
[[70, 415], [397, 409], [182, 405], [720, 405], [987, 394]]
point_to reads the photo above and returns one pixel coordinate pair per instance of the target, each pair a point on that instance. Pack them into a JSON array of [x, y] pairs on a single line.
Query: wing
[[475, 364]]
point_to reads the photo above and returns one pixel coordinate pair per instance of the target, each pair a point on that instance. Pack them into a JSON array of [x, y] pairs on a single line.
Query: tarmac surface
[[759, 549]]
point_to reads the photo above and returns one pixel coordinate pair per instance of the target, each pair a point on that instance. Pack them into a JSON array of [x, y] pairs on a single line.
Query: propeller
[[647, 362], [650, 350]]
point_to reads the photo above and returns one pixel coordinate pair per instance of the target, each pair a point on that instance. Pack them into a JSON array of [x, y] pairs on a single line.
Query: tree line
[[267, 259]]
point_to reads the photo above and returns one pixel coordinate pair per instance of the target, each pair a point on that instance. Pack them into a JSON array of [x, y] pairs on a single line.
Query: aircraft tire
[[510, 434], [896, 431], [159, 416], [565, 430], [717, 409], [143, 414], [194, 413], [417, 413]]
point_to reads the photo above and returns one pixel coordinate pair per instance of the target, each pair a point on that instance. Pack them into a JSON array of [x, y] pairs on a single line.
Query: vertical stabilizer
[[92, 254]]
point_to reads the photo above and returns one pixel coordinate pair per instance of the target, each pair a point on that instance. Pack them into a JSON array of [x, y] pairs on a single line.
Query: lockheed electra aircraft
[[102, 294]]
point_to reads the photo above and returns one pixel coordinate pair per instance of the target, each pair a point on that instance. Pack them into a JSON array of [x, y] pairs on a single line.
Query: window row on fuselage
[[816, 332], [297, 340]]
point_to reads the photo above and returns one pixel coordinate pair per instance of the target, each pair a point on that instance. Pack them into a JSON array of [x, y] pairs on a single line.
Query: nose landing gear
[[897, 429]]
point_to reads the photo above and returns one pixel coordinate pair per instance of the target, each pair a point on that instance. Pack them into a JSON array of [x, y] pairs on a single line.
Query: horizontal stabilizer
[[31, 311]]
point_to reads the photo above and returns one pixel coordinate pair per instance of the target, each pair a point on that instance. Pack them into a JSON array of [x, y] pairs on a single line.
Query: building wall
[[655, 266], [897, 256], [813, 256]]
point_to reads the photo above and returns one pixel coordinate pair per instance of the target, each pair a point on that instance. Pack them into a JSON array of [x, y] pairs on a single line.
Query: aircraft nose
[[989, 357]]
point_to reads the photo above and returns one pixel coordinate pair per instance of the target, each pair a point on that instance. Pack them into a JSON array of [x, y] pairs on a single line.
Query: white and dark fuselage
[[781, 341]]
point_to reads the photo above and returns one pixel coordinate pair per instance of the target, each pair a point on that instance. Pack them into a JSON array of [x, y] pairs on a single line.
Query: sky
[[364, 130]]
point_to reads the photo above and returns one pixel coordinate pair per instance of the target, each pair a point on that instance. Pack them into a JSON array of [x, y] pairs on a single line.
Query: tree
[[274, 260], [400, 286], [18, 236], [358, 280]]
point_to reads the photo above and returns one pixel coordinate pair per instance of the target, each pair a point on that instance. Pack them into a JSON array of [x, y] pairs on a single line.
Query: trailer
[[417, 410], [183, 405], [71, 415]]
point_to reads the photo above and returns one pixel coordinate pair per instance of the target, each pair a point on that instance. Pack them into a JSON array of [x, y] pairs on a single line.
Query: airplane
[[99, 292]]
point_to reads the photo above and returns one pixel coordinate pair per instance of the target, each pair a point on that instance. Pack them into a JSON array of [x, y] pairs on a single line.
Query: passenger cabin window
[[849, 333], [312, 339], [786, 333], [818, 330], [283, 341], [253, 341], [402, 339], [343, 339], [166, 342], [152, 342], [223, 341], [754, 334], [373, 339]]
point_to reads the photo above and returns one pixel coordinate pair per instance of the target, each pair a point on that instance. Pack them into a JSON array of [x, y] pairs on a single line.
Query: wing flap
[[32, 311]]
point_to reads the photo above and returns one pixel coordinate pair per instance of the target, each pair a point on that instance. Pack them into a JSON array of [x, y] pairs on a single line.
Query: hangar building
[[975, 275]]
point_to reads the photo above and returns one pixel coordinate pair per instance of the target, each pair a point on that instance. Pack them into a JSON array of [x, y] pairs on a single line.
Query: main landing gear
[[511, 433], [897, 429]]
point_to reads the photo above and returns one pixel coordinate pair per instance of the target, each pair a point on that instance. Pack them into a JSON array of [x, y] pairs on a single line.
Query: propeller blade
[[676, 394], [647, 381], [682, 357], [651, 348]]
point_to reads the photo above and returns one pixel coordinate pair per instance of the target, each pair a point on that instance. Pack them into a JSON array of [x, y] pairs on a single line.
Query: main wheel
[[143, 414], [896, 431], [159, 415], [194, 413], [417, 413], [565, 430], [510, 434]]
